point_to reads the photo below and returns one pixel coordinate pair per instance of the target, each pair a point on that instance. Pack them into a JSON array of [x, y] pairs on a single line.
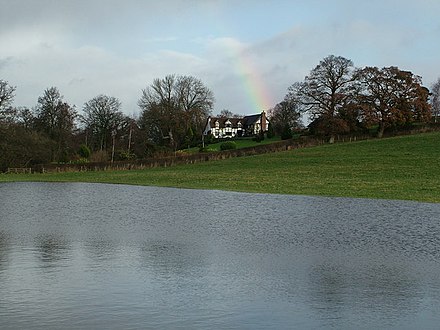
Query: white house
[[222, 127]]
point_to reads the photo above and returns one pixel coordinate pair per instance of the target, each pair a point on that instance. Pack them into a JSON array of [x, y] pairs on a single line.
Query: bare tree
[[6, 97], [195, 99], [329, 87], [225, 113], [25, 117], [171, 106], [159, 110], [435, 99], [53, 114], [102, 116], [55, 118], [285, 116]]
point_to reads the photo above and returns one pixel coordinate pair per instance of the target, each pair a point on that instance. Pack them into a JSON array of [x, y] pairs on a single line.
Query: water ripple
[[112, 256]]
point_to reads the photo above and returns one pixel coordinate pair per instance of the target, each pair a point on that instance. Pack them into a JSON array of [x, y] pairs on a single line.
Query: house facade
[[224, 128]]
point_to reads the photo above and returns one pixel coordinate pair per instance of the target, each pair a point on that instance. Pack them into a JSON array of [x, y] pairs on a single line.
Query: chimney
[[263, 122]]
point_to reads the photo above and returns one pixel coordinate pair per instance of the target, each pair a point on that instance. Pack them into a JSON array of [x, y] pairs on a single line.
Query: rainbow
[[252, 81]]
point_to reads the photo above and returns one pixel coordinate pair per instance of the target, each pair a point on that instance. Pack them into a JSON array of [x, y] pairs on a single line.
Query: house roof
[[249, 120], [222, 121]]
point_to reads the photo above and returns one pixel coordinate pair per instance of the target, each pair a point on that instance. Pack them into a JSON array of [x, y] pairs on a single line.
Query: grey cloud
[[4, 62], [85, 55], [104, 13]]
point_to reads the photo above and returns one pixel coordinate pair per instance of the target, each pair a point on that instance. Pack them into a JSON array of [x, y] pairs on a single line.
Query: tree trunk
[[332, 139], [381, 130]]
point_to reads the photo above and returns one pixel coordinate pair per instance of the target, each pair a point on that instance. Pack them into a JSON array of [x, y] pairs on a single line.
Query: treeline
[[338, 98], [173, 113]]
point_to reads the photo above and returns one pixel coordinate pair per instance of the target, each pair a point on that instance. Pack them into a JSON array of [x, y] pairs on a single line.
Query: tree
[[172, 105], [9, 116], [329, 87], [435, 99], [195, 100], [127, 137], [102, 116], [189, 137], [21, 116], [25, 117], [160, 114], [20, 147], [286, 133], [392, 97], [270, 131], [225, 113], [56, 119], [127, 140], [6, 97], [285, 116]]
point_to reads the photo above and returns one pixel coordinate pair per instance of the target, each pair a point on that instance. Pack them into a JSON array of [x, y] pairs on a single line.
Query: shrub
[[206, 149], [99, 156], [259, 137], [286, 133], [270, 131], [124, 155], [229, 145], [79, 161], [84, 151]]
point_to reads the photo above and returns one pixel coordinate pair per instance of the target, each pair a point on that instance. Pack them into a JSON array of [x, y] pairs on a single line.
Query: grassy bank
[[405, 167]]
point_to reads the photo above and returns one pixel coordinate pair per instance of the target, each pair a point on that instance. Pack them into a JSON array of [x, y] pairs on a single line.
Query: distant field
[[405, 168]]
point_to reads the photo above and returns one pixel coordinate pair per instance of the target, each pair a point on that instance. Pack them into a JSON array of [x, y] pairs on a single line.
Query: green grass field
[[406, 168]]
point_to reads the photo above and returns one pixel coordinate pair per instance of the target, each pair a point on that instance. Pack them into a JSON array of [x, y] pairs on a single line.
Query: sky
[[248, 52]]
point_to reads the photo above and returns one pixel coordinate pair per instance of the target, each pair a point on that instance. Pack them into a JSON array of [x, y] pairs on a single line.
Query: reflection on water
[[78, 256]]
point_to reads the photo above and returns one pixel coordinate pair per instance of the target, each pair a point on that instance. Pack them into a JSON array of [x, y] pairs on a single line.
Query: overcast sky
[[248, 52]]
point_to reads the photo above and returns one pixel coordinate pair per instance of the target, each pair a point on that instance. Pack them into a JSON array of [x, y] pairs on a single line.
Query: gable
[[222, 121]]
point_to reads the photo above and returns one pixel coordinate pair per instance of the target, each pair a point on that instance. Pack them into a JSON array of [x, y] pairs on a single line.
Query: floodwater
[[92, 256]]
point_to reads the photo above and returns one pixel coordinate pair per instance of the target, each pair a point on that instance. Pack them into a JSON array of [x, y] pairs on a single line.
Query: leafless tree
[[285, 116], [435, 99], [102, 116], [6, 97], [225, 113], [171, 106], [55, 118], [329, 87]]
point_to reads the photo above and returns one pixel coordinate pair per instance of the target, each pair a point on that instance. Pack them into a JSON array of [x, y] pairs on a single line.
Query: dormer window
[[239, 125], [217, 124], [228, 124]]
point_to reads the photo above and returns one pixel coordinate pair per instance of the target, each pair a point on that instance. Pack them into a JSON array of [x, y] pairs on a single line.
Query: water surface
[[82, 256]]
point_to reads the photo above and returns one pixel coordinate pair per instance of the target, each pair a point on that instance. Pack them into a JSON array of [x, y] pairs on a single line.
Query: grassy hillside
[[396, 168]]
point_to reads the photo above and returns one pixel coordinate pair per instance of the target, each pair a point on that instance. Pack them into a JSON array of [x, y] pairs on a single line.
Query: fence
[[19, 170], [179, 158]]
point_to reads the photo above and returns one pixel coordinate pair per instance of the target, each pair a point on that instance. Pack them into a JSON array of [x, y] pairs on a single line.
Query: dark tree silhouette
[[171, 106], [329, 87], [102, 117]]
